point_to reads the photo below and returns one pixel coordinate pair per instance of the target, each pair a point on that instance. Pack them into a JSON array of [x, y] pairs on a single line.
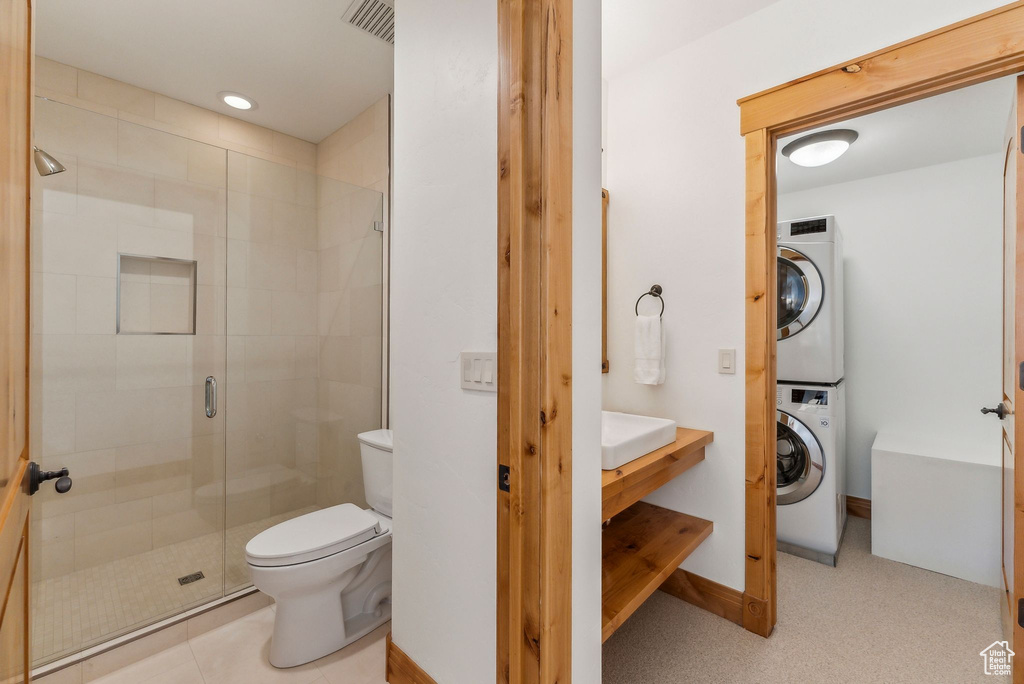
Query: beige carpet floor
[[867, 620]]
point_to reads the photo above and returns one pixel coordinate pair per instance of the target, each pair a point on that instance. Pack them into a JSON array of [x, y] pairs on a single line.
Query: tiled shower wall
[[289, 292], [121, 410], [272, 344], [351, 159]]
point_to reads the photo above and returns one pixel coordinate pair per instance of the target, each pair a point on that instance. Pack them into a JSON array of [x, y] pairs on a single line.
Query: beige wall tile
[[77, 363], [56, 76], [63, 128], [245, 133], [59, 303], [207, 165], [145, 361], [96, 305], [117, 94], [269, 358], [299, 150], [150, 151], [196, 120], [58, 423], [144, 241], [272, 267], [57, 193], [77, 245], [113, 194], [191, 207], [293, 313]]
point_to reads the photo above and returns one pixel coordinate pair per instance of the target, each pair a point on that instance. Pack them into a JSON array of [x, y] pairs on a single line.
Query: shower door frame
[[972, 51]]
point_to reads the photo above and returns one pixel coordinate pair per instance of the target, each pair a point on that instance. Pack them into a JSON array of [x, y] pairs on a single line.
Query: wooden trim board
[[972, 51], [605, 366], [713, 597], [401, 669], [534, 434], [858, 507]]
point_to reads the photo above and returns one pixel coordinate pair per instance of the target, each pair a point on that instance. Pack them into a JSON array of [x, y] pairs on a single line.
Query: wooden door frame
[[978, 49], [534, 520]]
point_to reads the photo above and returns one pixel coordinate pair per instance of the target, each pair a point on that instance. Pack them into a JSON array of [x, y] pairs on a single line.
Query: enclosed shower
[[208, 339]]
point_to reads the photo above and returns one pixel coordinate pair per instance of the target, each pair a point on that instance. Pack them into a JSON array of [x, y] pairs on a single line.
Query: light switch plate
[[727, 361], [479, 371]]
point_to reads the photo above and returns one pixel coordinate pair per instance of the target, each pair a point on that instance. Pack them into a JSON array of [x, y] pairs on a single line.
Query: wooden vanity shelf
[[627, 484], [641, 547]]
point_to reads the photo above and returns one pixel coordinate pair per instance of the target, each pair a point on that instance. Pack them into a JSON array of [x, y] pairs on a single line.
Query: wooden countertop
[[627, 484]]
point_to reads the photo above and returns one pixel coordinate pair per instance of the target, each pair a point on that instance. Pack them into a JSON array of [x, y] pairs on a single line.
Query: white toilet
[[329, 571]]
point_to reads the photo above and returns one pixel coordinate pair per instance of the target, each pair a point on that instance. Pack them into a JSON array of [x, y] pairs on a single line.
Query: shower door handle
[[211, 396]]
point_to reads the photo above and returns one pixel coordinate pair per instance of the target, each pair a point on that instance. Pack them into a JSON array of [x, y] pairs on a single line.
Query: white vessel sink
[[625, 437]]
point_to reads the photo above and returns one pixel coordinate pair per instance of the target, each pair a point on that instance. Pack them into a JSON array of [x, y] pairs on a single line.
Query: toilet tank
[[375, 449]]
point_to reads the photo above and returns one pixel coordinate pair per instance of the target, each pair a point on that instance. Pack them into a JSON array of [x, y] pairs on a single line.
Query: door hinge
[[504, 478], [1020, 375], [1020, 612]]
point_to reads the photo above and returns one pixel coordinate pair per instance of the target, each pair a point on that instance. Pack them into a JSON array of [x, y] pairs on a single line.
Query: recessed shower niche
[[155, 295]]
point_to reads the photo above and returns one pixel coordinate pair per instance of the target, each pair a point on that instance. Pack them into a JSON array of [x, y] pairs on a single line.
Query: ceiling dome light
[[818, 149], [236, 100]]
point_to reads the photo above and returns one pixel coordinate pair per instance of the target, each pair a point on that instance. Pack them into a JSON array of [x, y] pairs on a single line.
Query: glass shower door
[[129, 310]]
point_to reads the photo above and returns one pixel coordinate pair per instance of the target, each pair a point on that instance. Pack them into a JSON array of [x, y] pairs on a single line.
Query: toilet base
[[300, 640]]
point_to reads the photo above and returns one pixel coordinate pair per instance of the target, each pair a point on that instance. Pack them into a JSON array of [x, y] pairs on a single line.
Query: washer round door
[[800, 461], [800, 290]]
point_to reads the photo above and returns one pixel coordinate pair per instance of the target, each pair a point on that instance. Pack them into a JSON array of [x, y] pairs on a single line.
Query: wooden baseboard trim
[[401, 669], [713, 597], [858, 507]]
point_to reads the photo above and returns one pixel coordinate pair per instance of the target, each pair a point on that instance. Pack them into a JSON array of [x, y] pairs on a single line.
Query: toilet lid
[[312, 536]]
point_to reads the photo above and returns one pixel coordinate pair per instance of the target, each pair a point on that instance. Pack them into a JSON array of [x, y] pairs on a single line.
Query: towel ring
[[655, 291]]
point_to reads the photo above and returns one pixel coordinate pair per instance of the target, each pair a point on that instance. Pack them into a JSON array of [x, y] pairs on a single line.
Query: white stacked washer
[[811, 431], [811, 469]]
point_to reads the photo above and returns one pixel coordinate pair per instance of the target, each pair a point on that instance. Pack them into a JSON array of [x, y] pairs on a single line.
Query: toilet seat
[[312, 536]]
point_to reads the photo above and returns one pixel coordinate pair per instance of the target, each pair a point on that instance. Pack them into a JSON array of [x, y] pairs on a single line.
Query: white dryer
[[810, 301], [811, 469]]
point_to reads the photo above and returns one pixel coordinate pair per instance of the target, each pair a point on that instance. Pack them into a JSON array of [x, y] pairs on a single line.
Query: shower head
[[45, 164]]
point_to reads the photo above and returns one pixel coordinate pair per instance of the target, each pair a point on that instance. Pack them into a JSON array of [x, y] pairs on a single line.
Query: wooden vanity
[[643, 544]]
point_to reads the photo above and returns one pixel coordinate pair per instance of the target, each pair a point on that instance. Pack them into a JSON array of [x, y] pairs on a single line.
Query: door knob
[[36, 477], [1000, 410]]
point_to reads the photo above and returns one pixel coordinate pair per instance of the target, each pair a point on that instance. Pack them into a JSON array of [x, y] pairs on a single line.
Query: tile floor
[[236, 653], [74, 611]]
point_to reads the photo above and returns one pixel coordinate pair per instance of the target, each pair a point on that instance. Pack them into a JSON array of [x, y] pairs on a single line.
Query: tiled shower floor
[[86, 607]]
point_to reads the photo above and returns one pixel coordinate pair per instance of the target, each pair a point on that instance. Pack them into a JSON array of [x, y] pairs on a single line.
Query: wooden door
[[1013, 350], [15, 148]]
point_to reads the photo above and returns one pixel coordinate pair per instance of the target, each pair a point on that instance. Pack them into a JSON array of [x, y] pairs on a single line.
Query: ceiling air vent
[[376, 17]]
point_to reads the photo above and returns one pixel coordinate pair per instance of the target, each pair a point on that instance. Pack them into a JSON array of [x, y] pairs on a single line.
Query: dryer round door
[[800, 461], [800, 290]]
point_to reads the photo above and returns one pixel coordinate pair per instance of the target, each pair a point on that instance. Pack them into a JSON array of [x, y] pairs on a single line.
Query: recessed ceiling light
[[818, 149], [236, 100]]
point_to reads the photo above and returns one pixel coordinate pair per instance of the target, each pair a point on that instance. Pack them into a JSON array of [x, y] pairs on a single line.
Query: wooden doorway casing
[[978, 49], [16, 48], [534, 521]]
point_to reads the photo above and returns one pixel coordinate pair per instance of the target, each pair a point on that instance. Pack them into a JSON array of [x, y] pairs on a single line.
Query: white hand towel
[[649, 348]]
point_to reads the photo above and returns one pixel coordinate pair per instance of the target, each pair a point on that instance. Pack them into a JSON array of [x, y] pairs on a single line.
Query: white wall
[[675, 174], [586, 342], [444, 300], [923, 303]]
